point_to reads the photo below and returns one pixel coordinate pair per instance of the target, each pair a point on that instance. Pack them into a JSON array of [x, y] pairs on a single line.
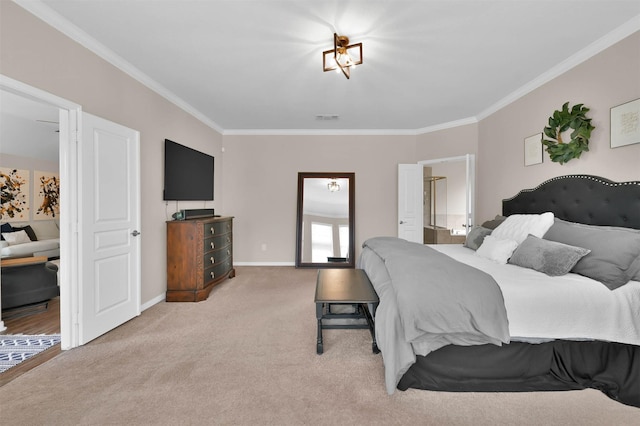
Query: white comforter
[[571, 306]]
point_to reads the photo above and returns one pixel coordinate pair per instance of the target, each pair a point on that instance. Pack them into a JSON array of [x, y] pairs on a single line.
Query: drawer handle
[[228, 239], [213, 275], [212, 260], [213, 245], [228, 252], [213, 230]]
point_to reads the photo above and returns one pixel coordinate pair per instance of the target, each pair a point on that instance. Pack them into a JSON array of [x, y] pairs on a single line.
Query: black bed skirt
[[612, 368]]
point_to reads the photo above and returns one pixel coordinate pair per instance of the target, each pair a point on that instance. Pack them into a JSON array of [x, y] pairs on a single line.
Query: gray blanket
[[436, 299]]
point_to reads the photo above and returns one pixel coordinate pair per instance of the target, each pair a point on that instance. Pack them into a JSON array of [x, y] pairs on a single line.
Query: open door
[[109, 224], [410, 221]]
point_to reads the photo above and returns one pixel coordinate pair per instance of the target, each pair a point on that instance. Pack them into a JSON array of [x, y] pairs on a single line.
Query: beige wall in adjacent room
[[260, 186], [610, 78], [36, 54]]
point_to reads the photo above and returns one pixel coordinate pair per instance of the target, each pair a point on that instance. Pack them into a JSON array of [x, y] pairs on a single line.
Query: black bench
[[345, 287]]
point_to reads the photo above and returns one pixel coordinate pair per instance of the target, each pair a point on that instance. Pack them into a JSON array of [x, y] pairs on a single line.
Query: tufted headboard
[[591, 200]]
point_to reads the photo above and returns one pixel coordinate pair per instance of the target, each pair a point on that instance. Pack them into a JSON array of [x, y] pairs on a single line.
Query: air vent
[[327, 117]]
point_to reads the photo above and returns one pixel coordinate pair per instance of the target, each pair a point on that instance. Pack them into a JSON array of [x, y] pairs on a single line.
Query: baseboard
[[152, 302]]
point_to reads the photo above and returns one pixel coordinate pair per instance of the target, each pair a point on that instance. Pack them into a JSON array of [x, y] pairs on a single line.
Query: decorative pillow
[[517, 226], [493, 224], [550, 257], [46, 229], [496, 249], [476, 236], [18, 237], [614, 251], [28, 230], [5, 227]]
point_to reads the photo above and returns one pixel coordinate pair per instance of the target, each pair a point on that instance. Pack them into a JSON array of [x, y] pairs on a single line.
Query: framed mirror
[[325, 235]]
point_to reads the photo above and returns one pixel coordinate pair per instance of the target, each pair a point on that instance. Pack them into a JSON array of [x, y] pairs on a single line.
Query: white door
[[410, 222], [109, 224]]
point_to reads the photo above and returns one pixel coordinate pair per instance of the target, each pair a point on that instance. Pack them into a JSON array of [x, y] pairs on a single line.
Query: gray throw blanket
[[441, 301]]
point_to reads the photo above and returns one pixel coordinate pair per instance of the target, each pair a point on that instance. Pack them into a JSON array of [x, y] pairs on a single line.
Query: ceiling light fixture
[[333, 186], [343, 57]]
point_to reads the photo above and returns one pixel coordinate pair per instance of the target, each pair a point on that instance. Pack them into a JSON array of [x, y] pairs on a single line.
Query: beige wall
[[608, 79], [260, 186], [36, 54], [256, 176]]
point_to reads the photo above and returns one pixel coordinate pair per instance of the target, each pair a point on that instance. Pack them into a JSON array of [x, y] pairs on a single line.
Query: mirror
[[325, 234]]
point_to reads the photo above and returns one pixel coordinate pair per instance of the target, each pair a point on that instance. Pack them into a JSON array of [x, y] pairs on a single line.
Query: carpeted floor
[[15, 349], [246, 356]]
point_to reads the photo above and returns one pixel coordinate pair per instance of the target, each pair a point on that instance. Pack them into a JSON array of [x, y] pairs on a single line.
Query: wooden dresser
[[199, 256]]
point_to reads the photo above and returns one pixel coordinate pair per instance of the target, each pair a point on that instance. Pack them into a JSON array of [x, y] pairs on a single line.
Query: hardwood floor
[[45, 322]]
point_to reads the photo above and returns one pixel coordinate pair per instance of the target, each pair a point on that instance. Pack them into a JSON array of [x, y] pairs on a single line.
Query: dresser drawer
[[216, 228], [216, 256], [217, 242], [217, 271]]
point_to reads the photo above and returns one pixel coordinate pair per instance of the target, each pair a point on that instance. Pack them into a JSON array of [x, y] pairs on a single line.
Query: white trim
[[69, 286], [319, 132], [44, 12], [581, 56], [449, 125], [48, 15], [264, 264], [158, 299]]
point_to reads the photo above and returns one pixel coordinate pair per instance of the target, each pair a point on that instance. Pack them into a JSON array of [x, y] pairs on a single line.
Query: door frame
[[70, 114], [470, 170]]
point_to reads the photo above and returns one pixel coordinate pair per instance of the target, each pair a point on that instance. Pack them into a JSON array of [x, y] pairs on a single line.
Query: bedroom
[[264, 212]]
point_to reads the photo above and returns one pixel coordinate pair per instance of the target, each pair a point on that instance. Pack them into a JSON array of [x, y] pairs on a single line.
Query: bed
[[558, 309]]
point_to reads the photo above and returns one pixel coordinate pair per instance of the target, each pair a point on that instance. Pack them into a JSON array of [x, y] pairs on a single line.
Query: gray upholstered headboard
[[581, 198]]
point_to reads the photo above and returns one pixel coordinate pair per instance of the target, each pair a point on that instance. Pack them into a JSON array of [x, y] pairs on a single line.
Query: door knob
[[135, 233], [401, 222]]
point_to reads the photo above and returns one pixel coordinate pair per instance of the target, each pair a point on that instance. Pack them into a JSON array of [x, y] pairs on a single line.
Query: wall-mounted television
[[188, 174]]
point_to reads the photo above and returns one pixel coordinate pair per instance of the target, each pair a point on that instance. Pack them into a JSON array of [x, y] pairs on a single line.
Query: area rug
[[17, 348]]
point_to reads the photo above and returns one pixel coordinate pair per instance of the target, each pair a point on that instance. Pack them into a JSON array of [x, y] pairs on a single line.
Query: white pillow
[[18, 237], [496, 249], [518, 226]]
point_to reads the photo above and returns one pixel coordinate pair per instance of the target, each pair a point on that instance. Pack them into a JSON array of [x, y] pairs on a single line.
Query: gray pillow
[[614, 251], [493, 224], [550, 257], [475, 237]]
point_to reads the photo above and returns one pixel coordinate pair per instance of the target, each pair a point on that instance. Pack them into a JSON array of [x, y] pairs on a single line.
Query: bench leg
[[372, 312], [319, 317]]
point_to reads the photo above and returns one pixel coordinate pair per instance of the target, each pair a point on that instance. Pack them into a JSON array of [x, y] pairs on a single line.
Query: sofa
[[27, 281], [27, 239]]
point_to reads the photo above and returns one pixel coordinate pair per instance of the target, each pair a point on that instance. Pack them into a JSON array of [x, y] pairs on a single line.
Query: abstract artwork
[[46, 195], [14, 188]]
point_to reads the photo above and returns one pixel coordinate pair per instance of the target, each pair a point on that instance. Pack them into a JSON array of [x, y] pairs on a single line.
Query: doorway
[[80, 263], [412, 197]]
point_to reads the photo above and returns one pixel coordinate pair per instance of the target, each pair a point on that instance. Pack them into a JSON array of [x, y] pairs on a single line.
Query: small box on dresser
[[199, 256]]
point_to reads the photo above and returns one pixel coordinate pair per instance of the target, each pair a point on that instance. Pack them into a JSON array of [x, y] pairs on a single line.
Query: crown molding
[[448, 125], [572, 61], [49, 16], [319, 132]]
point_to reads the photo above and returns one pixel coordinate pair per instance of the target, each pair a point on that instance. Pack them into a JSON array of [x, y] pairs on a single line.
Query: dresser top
[[203, 219]]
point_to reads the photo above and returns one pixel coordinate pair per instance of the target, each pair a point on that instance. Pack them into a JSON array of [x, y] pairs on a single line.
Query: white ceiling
[[256, 66]]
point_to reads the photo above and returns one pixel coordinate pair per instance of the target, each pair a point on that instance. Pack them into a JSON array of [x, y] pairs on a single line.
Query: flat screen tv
[[188, 174]]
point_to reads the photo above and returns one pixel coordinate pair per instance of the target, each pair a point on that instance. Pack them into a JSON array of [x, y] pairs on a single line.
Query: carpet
[[17, 348]]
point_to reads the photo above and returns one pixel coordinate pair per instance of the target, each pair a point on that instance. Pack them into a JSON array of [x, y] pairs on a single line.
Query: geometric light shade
[[343, 57]]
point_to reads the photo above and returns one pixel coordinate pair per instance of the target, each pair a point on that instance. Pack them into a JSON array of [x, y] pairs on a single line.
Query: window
[[322, 242]]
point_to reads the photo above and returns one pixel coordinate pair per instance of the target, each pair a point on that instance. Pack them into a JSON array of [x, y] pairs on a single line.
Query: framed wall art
[[625, 124], [46, 195], [533, 150], [15, 194]]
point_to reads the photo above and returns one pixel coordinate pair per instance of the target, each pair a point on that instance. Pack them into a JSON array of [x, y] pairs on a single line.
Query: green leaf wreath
[[561, 121]]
